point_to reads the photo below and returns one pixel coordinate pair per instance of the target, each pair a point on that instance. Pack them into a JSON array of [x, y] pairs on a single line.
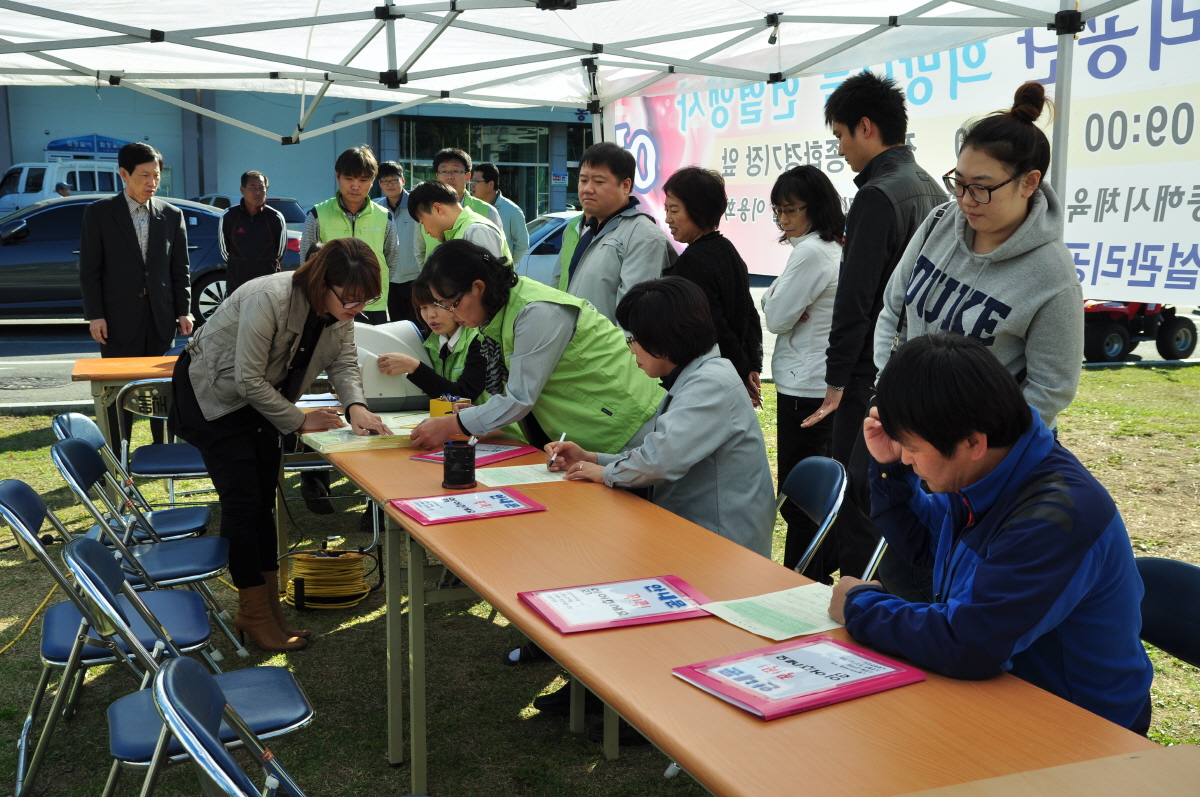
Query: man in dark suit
[[133, 265]]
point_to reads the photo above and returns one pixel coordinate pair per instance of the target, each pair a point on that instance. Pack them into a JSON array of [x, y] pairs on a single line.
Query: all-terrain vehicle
[[1112, 329]]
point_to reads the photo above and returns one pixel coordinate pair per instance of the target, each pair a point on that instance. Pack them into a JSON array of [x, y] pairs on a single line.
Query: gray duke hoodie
[[1023, 300]]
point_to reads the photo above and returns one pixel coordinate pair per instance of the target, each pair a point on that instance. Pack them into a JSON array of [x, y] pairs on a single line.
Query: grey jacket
[[1023, 301], [515, 231], [705, 459], [631, 248], [406, 268], [245, 348]]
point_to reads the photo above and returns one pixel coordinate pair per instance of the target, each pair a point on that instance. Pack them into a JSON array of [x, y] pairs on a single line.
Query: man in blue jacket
[[1032, 568]]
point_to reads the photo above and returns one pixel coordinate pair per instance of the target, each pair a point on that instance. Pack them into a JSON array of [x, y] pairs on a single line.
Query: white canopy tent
[[570, 53]]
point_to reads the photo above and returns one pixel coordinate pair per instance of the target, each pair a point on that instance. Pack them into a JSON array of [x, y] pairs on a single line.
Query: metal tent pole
[[1066, 30]]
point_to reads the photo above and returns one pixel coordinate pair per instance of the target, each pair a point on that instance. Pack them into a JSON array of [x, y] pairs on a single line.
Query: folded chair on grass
[[169, 524], [151, 398], [67, 646], [187, 562], [816, 486], [268, 699]]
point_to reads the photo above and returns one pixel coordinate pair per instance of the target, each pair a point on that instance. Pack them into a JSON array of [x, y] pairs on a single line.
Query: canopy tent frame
[[625, 55]]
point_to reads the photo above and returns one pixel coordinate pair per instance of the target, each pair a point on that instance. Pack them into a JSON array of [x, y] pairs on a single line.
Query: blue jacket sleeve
[[904, 514]]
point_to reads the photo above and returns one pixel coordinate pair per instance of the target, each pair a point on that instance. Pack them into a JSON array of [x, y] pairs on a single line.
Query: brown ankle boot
[[254, 618], [272, 579]]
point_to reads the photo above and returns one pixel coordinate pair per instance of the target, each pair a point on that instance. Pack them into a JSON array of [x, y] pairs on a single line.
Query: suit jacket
[[113, 273]]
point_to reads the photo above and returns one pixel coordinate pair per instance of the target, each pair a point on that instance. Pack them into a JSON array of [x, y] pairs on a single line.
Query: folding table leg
[[416, 661], [612, 739], [393, 592], [578, 691]]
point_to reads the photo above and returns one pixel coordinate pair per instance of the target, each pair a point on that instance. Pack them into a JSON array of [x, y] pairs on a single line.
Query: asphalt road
[[36, 358]]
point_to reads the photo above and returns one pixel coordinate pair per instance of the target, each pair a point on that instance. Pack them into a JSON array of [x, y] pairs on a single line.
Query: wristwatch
[[835, 387]]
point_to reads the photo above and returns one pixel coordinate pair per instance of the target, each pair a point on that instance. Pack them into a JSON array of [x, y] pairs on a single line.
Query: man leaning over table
[[1033, 572]]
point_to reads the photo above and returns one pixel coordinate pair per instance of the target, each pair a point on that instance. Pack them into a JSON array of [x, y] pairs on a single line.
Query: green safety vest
[[452, 367], [466, 218], [596, 394], [570, 241], [370, 227]]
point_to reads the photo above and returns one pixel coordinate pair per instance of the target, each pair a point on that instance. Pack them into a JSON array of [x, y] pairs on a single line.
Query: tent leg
[[1062, 108]]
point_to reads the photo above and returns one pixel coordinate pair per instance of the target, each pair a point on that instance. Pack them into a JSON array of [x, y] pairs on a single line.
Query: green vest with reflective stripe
[[596, 393], [370, 227], [570, 240], [466, 218]]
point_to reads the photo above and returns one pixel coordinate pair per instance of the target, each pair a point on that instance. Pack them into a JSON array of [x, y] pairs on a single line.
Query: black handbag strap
[[937, 216]]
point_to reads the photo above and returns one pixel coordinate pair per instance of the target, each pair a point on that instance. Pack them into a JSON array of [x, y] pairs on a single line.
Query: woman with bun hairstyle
[[993, 265]]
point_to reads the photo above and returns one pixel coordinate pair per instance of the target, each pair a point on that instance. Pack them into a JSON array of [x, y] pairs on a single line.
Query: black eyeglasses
[[629, 341], [980, 193], [452, 306], [352, 305]]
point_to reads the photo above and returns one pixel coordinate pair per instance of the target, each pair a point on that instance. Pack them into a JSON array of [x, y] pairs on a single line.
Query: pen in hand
[[554, 458]]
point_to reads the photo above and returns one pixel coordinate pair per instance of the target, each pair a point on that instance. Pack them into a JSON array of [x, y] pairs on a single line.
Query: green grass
[[485, 738]]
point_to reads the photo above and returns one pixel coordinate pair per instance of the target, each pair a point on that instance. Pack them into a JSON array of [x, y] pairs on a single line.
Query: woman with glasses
[[235, 391], [695, 203], [994, 266], [553, 363], [799, 311]]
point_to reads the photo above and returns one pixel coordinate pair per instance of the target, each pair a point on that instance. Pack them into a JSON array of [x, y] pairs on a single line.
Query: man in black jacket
[[133, 266], [253, 235], [868, 117]]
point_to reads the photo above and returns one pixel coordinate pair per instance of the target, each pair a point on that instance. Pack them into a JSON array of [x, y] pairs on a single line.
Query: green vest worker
[[553, 362], [569, 242], [350, 213], [436, 208]]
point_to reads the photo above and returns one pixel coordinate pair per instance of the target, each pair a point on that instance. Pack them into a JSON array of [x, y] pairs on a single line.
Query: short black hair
[[812, 188], [877, 98], [357, 162], [608, 155], [421, 198], [702, 192], [944, 387], [451, 154], [254, 173], [390, 169], [668, 317], [489, 173], [134, 155], [454, 266]]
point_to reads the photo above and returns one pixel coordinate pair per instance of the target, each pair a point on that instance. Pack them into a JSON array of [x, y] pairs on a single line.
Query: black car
[[39, 258]]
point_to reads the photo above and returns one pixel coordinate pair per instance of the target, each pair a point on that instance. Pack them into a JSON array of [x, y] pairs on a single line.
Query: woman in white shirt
[[798, 308]]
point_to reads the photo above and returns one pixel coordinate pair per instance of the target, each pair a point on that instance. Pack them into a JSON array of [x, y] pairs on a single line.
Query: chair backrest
[[99, 575], [24, 511], [75, 424], [192, 705], [150, 398], [86, 474], [175, 351], [79, 463], [816, 485], [1171, 607]]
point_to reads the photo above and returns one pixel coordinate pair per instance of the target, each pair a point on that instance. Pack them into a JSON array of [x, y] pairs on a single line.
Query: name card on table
[[617, 603], [451, 508], [797, 676]]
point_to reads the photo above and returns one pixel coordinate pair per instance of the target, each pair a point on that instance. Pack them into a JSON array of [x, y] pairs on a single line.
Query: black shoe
[[627, 735], [314, 493], [364, 522], [559, 703], [526, 654]]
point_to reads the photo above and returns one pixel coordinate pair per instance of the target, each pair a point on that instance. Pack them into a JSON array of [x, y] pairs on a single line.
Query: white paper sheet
[[517, 474], [780, 615]]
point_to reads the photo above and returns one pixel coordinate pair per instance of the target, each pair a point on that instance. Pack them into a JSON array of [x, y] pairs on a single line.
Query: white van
[[26, 183]]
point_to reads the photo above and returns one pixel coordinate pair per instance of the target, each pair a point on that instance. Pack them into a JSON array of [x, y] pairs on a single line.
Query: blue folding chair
[[816, 486], [66, 645], [195, 710], [151, 398], [169, 524], [1171, 607], [186, 562], [268, 699]]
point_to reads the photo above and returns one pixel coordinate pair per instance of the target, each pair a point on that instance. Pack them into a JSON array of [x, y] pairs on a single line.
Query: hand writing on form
[[580, 465]]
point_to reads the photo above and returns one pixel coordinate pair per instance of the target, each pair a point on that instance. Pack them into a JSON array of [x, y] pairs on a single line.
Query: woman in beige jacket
[[236, 387]]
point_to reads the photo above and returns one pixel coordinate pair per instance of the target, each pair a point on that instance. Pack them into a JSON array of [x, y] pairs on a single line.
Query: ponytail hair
[[1011, 136]]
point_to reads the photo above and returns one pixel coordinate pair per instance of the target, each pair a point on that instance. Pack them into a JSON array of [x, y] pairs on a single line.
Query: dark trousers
[[245, 469], [796, 443], [400, 306], [239, 272], [855, 533], [144, 342]]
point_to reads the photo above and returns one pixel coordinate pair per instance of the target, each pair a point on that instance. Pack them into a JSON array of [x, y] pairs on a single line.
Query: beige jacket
[[245, 347]]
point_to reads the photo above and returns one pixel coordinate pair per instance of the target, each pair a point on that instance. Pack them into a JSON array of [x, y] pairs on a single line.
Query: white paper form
[[517, 474], [780, 615]]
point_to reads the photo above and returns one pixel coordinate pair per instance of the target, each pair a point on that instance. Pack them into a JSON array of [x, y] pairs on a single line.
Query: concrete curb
[[48, 408]]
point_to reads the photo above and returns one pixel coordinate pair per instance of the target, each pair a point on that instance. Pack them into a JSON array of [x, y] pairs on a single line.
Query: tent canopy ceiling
[[504, 53]]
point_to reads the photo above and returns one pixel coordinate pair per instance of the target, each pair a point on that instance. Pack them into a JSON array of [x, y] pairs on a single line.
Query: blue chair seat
[[183, 521], [182, 613], [166, 459], [267, 698], [182, 559]]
